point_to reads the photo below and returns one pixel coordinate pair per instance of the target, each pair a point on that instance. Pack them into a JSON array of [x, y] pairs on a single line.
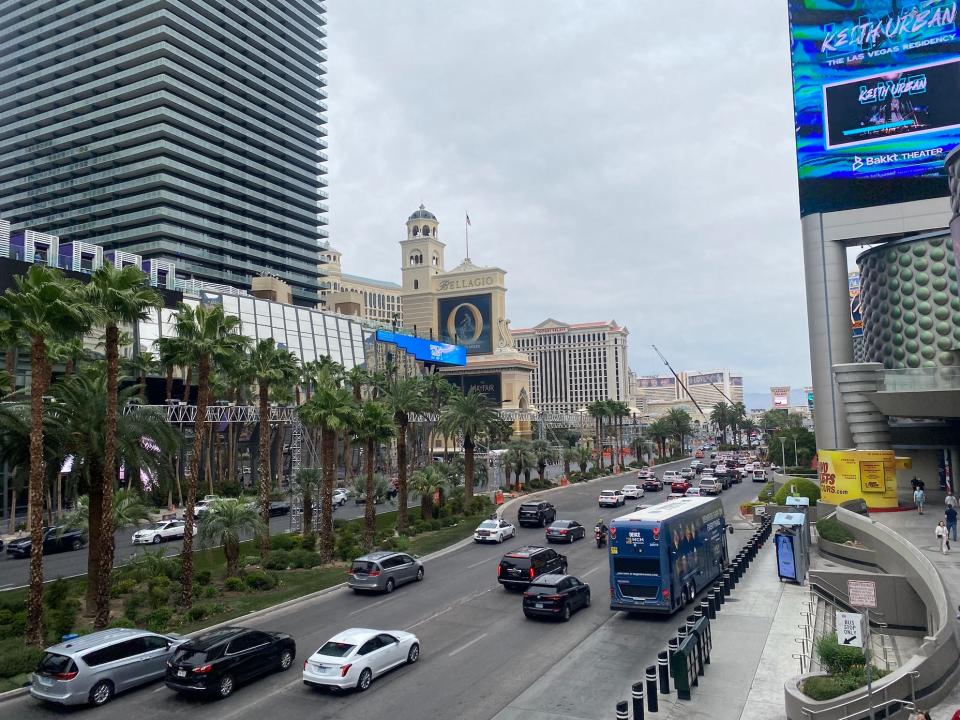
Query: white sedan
[[632, 492], [494, 531], [354, 657], [161, 532]]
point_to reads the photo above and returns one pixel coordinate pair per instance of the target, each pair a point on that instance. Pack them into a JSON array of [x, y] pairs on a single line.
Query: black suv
[[518, 568], [214, 662], [536, 514]]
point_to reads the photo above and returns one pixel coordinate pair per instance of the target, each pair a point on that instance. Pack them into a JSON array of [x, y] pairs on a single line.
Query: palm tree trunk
[[208, 463], [347, 459], [38, 368], [402, 520], [12, 526], [370, 512], [143, 385], [277, 467], [468, 462], [263, 473], [307, 513], [200, 429], [95, 533], [186, 385], [231, 551], [426, 506], [326, 496], [102, 617], [168, 392]]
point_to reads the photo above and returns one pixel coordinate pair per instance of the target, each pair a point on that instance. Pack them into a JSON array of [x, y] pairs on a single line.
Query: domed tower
[[422, 251]]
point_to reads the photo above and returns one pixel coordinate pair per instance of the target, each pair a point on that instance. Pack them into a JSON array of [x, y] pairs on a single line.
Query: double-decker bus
[[662, 556]]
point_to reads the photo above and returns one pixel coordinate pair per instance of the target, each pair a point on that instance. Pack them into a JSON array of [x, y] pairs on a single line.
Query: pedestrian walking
[[943, 536], [950, 516], [915, 483], [950, 500], [918, 498]]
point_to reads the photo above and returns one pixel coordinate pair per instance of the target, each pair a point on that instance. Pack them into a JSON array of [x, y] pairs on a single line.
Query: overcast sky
[[629, 160]]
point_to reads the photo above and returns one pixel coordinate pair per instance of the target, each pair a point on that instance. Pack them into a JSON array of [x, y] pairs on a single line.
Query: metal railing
[[918, 379]]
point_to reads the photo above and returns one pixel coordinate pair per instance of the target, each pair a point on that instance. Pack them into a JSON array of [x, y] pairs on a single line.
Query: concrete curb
[[14, 694]]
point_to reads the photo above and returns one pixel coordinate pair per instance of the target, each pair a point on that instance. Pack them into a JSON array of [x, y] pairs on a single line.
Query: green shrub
[[218, 609], [436, 524], [233, 584], [308, 542], [158, 620], [123, 586], [304, 559], [449, 521], [19, 660], [258, 580], [832, 530], [248, 560], [55, 593], [797, 487], [159, 595], [62, 620], [209, 592], [121, 623], [198, 612], [202, 578], [284, 541], [278, 560], [838, 659], [766, 493], [399, 543], [133, 604], [13, 624], [420, 526]]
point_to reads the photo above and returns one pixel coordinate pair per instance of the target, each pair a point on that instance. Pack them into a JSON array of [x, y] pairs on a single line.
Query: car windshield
[[190, 656], [561, 524], [607, 492], [489, 525], [542, 589], [361, 566], [53, 664], [158, 526], [332, 648]]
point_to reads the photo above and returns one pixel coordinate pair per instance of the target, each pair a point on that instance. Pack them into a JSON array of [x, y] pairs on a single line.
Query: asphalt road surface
[[15, 572], [481, 658]]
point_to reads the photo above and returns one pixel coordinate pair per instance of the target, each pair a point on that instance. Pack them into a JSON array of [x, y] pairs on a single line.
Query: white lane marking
[[588, 572], [250, 703], [476, 564], [447, 609], [466, 645], [4, 587], [368, 607]]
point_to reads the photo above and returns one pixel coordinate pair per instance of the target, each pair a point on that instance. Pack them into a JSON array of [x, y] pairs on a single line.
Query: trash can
[[792, 550]]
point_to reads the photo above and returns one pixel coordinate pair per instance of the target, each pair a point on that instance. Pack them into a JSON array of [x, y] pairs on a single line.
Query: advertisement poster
[[876, 93], [780, 396], [856, 315], [656, 382], [869, 475], [786, 567], [489, 385], [467, 321]]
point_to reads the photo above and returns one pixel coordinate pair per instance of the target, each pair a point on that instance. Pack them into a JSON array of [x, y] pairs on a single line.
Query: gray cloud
[[630, 160]]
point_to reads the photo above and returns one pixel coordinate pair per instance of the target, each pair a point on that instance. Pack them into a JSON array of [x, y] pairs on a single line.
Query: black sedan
[[55, 539], [653, 484], [213, 663], [565, 531], [556, 596]]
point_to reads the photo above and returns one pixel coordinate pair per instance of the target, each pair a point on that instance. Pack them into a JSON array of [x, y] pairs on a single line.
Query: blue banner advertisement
[[876, 92], [427, 351]]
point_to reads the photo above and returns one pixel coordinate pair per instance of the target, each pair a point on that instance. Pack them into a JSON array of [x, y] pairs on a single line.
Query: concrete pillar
[[828, 323], [868, 426]]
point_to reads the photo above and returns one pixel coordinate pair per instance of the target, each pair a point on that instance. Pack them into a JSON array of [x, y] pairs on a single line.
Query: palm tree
[[521, 458], [473, 416], [582, 457], [738, 413], [271, 365], [680, 424], [438, 390], [545, 454], [171, 354], [660, 431], [355, 379], [330, 409], [142, 364], [80, 418], [43, 306], [119, 296], [720, 416], [209, 339], [373, 426], [310, 482], [128, 510], [425, 483], [570, 455], [747, 426], [224, 523], [598, 411], [404, 396]]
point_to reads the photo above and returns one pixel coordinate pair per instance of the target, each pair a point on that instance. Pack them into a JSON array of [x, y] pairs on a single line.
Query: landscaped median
[[145, 592]]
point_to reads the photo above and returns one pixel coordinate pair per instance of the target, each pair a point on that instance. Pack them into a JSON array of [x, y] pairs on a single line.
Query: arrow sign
[[850, 629]]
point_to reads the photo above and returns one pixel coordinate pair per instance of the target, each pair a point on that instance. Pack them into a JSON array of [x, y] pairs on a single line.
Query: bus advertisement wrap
[[876, 94]]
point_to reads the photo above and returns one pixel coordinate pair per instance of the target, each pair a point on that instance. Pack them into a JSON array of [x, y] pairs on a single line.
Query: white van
[[670, 475], [758, 475]]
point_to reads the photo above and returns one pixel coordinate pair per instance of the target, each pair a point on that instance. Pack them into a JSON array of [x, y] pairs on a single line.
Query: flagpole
[[466, 232]]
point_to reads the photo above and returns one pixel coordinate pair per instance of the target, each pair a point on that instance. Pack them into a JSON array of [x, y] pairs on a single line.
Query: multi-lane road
[[15, 572], [481, 658]]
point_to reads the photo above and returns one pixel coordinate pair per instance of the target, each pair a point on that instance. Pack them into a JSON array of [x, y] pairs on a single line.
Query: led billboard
[[490, 385], [427, 351], [466, 321], [876, 92]]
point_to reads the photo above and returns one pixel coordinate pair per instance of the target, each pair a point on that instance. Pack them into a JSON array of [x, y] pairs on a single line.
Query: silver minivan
[[383, 571], [91, 669]]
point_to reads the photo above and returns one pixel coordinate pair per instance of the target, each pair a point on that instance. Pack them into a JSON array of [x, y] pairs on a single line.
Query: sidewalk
[[919, 530], [753, 645]]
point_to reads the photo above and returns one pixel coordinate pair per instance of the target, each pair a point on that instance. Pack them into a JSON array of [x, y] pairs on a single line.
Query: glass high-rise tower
[[183, 131]]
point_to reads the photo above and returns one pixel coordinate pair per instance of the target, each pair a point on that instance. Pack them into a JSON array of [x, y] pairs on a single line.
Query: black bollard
[[698, 613], [638, 700], [652, 704], [682, 632], [705, 608], [712, 605], [726, 584], [718, 592], [623, 711], [663, 659]]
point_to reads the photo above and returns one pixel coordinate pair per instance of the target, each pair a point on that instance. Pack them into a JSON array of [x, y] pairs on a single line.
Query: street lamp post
[[796, 460], [783, 455]]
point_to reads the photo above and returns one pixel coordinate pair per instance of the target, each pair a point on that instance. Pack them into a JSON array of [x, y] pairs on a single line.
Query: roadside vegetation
[[846, 668]]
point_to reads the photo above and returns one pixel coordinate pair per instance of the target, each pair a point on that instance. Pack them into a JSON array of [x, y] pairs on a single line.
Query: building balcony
[[918, 392]]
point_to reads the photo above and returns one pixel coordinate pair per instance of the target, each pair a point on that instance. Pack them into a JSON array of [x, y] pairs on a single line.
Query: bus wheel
[[684, 598]]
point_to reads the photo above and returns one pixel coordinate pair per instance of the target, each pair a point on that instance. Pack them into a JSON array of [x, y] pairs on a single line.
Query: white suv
[[161, 532], [670, 475], [611, 498], [339, 497]]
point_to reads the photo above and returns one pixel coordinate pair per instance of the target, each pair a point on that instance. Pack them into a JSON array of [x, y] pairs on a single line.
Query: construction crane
[[679, 380]]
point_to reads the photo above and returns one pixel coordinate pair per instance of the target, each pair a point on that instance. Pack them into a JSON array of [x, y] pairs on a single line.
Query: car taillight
[[373, 573], [499, 570], [66, 675], [550, 597], [531, 573], [345, 669], [203, 669], [563, 532], [613, 532], [305, 663], [666, 594], [611, 591]]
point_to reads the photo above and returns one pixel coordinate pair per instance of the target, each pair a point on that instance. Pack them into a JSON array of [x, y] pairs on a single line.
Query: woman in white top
[[943, 537]]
